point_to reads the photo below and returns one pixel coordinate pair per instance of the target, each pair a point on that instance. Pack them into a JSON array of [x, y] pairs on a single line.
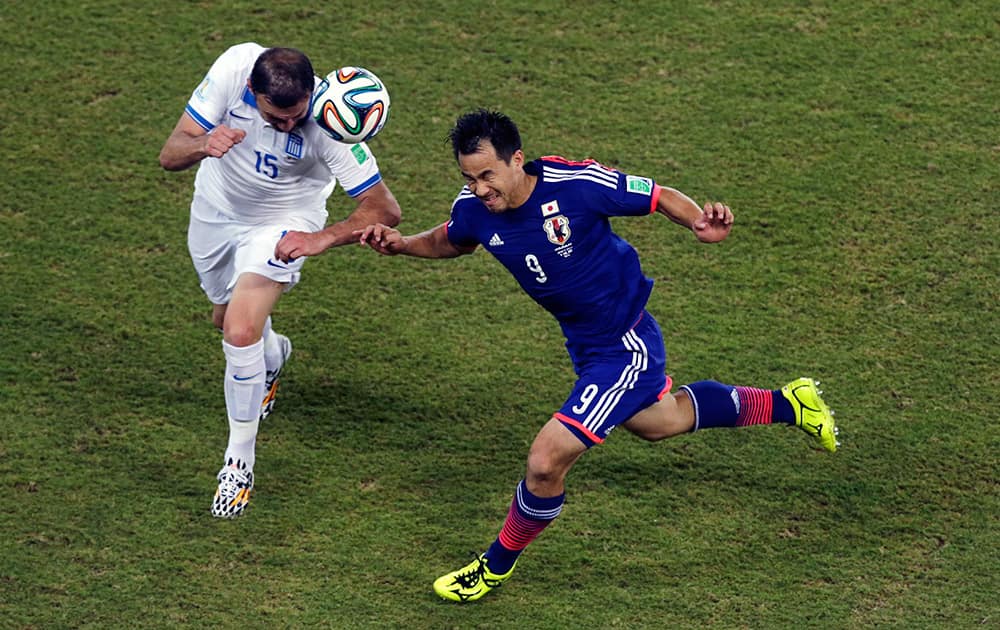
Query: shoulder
[[468, 218], [312, 133], [246, 50], [238, 58], [556, 170], [465, 201], [334, 152]]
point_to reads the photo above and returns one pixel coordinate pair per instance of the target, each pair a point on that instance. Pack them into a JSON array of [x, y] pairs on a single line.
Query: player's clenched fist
[[222, 139]]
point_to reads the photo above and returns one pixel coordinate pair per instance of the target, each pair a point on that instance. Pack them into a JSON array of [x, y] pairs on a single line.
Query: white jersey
[[270, 174]]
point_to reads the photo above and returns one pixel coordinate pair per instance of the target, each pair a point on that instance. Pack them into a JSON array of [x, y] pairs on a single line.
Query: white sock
[[272, 349], [244, 388]]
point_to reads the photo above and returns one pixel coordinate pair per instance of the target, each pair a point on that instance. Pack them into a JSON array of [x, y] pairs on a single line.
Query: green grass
[[856, 141]]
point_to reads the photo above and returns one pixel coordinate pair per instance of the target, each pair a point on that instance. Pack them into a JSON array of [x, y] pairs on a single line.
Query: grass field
[[858, 143]]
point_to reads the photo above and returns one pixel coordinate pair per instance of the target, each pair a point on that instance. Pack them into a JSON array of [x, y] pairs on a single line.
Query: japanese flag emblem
[[557, 229]]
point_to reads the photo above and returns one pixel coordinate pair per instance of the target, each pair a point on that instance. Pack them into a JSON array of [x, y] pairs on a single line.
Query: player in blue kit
[[547, 222]]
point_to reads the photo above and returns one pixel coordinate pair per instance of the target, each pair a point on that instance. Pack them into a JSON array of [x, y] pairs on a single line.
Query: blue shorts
[[615, 381]]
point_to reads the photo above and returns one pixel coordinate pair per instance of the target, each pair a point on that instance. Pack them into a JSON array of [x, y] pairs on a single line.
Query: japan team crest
[[557, 229]]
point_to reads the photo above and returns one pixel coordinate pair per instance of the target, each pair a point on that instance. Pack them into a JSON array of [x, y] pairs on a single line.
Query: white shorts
[[222, 248]]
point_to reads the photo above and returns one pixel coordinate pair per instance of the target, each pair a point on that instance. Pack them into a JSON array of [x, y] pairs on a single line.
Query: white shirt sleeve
[[224, 85], [354, 166]]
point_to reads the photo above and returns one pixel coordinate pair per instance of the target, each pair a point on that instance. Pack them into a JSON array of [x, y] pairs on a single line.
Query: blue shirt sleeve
[[633, 197], [459, 227]]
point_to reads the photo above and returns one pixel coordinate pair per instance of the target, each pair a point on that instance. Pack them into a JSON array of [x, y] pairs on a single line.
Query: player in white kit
[[259, 209]]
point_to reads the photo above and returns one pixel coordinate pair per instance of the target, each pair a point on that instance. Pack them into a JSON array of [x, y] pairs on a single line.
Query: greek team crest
[[293, 146], [557, 229]]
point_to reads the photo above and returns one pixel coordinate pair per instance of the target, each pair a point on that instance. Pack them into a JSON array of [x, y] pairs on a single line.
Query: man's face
[[283, 118], [499, 185]]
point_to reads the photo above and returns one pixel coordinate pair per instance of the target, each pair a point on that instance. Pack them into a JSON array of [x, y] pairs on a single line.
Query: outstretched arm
[[432, 243], [375, 205], [710, 224]]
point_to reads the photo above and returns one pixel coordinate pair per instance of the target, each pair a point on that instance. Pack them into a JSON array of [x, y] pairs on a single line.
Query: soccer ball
[[351, 105]]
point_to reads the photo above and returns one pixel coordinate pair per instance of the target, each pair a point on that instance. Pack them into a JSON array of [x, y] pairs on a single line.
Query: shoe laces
[[470, 578], [232, 480]]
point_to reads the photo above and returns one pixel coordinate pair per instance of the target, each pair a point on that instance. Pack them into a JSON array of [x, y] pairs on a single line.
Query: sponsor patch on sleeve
[[359, 153], [640, 185], [203, 88]]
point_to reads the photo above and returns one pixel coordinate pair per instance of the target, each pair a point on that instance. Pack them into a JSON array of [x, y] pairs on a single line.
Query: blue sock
[[715, 404], [783, 411], [500, 559], [527, 517]]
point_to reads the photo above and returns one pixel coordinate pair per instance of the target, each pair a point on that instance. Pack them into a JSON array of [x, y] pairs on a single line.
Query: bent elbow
[[167, 164], [170, 160], [392, 215]]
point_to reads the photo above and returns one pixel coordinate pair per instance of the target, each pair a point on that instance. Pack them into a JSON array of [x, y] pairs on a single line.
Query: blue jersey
[[560, 247]]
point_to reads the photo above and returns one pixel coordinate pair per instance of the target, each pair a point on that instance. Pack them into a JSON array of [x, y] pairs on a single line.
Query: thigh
[[255, 254], [212, 241], [223, 248], [670, 416], [616, 382], [252, 301]]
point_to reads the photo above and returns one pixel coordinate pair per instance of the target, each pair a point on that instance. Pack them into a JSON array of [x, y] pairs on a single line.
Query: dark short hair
[[483, 124], [284, 75]]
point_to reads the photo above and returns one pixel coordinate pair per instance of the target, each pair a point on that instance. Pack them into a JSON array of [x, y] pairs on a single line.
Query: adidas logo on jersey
[[496, 241]]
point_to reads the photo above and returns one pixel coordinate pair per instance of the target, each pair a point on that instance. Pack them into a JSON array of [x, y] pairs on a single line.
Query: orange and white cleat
[[233, 493], [271, 379]]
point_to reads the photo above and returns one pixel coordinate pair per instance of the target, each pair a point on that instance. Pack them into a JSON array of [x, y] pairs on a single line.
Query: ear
[[518, 158], [250, 87]]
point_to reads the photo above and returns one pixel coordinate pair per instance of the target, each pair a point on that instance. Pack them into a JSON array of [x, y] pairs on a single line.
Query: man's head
[[472, 128], [282, 81], [487, 146]]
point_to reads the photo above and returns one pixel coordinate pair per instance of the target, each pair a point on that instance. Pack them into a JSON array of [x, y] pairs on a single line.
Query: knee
[[671, 416], [654, 434], [240, 334], [543, 469]]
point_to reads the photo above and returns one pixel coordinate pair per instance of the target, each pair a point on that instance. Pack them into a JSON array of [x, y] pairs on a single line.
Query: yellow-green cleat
[[811, 413], [470, 582]]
